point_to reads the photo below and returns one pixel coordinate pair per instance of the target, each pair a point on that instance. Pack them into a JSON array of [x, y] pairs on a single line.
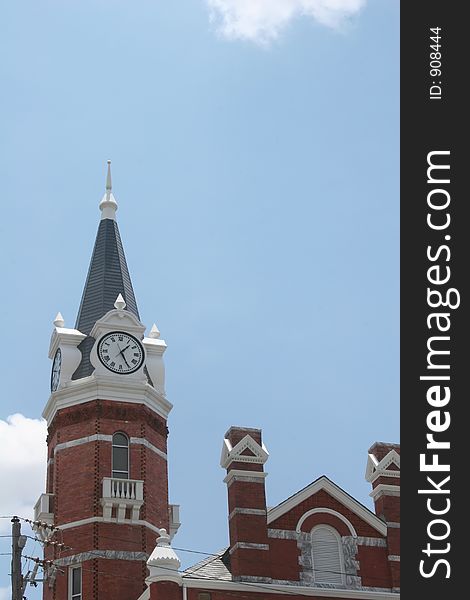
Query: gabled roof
[[323, 483], [212, 567]]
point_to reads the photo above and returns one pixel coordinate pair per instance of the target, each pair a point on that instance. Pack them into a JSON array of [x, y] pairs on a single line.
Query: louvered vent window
[[326, 549]]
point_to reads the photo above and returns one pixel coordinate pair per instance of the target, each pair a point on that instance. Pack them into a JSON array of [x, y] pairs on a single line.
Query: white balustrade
[[122, 494], [44, 513]]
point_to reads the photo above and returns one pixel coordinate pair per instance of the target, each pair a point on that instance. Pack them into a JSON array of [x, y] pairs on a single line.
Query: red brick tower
[[107, 483], [383, 472], [244, 456]]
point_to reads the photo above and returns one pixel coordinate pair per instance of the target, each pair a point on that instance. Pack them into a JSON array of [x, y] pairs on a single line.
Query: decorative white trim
[[67, 561], [248, 546], [64, 336], [235, 453], [323, 483], [84, 440], [384, 489], [393, 557], [371, 541], [247, 511], [137, 522], [248, 476], [393, 524], [67, 340], [106, 387], [118, 319], [147, 444], [101, 437], [154, 349], [191, 581], [253, 579], [328, 511], [376, 469]]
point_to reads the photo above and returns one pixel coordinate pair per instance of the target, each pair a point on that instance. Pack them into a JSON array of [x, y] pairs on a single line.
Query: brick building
[[107, 478]]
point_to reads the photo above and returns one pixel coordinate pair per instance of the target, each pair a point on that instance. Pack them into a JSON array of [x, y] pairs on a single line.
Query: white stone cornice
[[64, 336], [248, 546], [192, 581], [248, 476], [384, 490], [106, 387], [67, 340], [247, 511]]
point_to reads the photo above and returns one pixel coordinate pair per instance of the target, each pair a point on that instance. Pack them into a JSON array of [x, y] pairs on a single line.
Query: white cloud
[[22, 465], [261, 21], [5, 593]]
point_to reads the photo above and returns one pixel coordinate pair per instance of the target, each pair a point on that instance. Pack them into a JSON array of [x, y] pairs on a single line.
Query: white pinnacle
[[59, 320], [120, 303], [108, 204], [154, 332], [163, 560]]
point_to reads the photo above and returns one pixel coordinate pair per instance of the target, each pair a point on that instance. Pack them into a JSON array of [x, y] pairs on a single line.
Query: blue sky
[[255, 164]]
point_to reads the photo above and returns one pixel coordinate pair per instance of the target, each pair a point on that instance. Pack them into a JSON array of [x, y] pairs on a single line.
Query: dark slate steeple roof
[[108, 276]]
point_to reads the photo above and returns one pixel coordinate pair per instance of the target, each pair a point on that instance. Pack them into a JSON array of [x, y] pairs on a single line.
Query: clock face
[[120, 352], [55, 374]]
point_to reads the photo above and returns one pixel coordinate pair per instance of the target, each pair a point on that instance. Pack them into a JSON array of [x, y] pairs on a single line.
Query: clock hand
[[122, 352]]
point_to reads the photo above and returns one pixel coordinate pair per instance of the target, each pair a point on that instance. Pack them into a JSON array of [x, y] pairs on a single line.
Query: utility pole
[[17, 544]]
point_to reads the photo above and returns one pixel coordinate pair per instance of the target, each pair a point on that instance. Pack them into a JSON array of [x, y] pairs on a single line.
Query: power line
[[185, 574]]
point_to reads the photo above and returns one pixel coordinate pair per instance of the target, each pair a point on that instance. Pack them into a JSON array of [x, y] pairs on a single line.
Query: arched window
[[327, 555], [120, 457]]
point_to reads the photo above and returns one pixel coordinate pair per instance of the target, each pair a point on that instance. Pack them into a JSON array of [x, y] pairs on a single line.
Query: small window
[[120, 458], [75, 583], [327, 559]]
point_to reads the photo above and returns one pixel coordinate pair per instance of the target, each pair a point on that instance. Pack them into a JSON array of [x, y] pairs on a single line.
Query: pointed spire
[[108, 204], [108, 276], [109, 184], [59, 320], [154, 332]]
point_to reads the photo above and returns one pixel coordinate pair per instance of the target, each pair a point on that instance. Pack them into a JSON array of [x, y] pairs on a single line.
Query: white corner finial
[[120, 303], [59, 320], [108, 204], [164, 539], [154, 332], [163, 563]]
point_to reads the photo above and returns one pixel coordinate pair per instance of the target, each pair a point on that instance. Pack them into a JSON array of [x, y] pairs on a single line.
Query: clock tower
[[107, 479]]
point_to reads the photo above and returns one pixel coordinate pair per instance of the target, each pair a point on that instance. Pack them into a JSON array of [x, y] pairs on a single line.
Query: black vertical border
[[428, 125]]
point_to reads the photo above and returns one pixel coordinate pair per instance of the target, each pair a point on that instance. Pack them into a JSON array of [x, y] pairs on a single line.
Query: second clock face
[[120, 352], [55, 375]]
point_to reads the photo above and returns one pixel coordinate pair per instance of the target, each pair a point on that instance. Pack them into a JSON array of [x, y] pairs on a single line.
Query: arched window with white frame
[[120, 456], [327, 555]]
